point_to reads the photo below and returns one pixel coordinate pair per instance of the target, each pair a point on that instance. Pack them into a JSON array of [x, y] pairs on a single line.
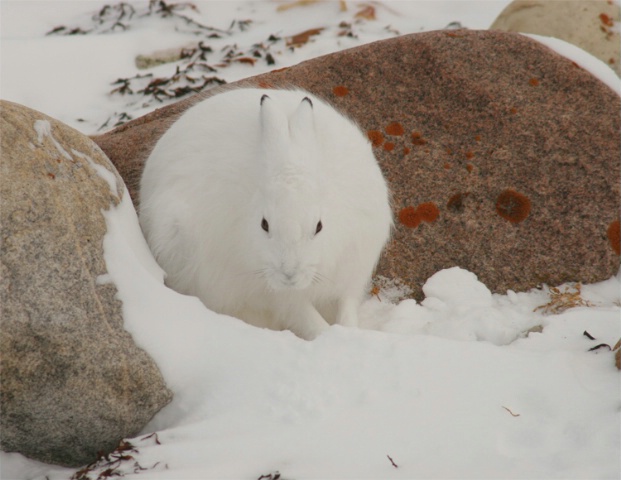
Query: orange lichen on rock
[[389, 146], [376, 137], [614, 236], [513, 206], [456, 202], [409, 217], [469, 167], [425, 212], [395, 129], [606, 20], [417, 139], [469, 154], [428, 212], [534, 82], [340, 91], [406, 150]]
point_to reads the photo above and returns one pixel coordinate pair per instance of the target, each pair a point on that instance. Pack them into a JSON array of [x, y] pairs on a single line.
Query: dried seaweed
[[561, 301], [116, 120], [197, 67], [194, 72], [389, 290], [600, 345], [366, 11], [116, 463], [271, 476], [107, 463], [193, 78], [392, 462], [588, 335], [302, 38], [511, 412], [297, 3], [121, 16], [304, 3]]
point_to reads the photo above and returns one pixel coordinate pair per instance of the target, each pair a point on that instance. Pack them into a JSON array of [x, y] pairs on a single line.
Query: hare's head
[[289, 215]]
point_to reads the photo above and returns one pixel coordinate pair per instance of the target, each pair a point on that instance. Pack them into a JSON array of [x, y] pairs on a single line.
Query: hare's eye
[[319, 227], [264, 225]]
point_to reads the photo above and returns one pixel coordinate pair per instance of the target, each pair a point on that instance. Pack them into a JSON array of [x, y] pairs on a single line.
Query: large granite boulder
[[502, 156], [589, 24], [73, 381]]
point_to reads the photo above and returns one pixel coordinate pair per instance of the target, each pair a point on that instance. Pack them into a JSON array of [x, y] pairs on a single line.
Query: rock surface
[[73, 381], [588, 24], [502, 156]]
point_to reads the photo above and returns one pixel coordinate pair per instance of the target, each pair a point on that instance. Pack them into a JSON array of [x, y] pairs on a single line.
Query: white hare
[[269, 206]]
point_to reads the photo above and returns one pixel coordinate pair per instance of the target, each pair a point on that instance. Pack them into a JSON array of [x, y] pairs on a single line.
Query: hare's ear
[[274, 125], [302, 123]]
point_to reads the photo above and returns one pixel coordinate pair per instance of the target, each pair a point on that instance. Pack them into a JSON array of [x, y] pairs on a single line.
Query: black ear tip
[[306, 99], [263, 98]]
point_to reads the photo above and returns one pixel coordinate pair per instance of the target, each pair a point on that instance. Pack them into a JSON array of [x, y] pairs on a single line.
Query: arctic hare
[[269, 206]]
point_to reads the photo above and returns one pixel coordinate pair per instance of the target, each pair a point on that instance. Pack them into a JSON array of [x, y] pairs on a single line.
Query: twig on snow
[[270, 476], [512, 414]]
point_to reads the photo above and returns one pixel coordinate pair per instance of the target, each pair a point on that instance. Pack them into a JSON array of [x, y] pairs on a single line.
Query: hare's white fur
[[269, 206]]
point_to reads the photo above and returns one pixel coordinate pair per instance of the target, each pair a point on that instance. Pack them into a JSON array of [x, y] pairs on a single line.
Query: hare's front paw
[[306, 322], [347, 315]]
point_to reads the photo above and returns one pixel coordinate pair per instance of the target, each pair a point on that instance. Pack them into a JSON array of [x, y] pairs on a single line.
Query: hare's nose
[[289, 278]]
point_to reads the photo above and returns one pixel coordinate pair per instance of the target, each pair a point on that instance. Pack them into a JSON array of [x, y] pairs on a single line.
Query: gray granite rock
[[73, 380], [502, 156]]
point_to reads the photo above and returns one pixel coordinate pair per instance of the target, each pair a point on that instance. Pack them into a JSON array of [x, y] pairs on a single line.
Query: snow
[[462, 385], [44, 129], [102, 171]]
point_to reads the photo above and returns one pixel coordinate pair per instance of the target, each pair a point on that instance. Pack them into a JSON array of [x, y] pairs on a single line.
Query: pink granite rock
[[502, 156]]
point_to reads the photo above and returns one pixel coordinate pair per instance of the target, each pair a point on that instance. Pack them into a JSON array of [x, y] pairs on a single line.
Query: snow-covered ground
[[454, 387]]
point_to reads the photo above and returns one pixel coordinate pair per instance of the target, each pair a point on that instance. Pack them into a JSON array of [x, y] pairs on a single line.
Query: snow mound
[[459, 307]]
